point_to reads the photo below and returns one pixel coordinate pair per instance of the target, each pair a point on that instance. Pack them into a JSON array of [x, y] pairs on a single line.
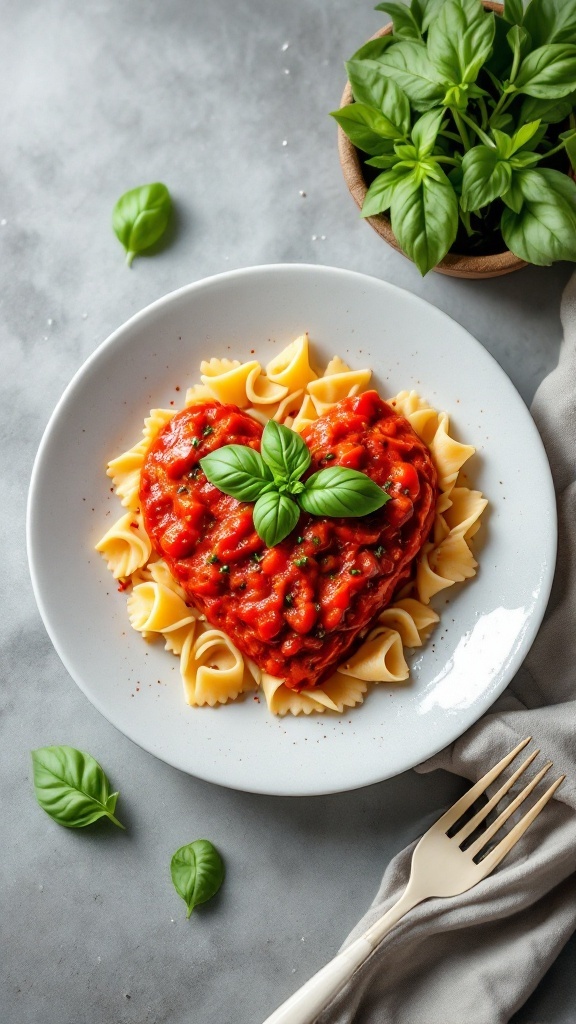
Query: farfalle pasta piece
[[153, 423], [335, 694], [291, 367], [215, 367], [306, 415], [380, 659], [213, 670], [260, 390], [281, 412], [229, 385], [463, 514], [154, 608], [197, 393], [125, 473], [336, 365], [326, 391], [281, 700], [344, 691], [440, 567], [160, 573], [449, 455], [126, 546], [176, 638], [411, 619], [125, 469], [441, 529]]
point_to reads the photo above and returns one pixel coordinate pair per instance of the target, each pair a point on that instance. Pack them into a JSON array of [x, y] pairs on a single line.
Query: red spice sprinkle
[[171, 401], [123, 585], [176, 388], [135, 525]]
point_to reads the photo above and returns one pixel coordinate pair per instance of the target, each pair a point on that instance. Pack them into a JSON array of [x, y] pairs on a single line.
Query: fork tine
[[492, 829], [492, 859], [466, 801], [483, 813]]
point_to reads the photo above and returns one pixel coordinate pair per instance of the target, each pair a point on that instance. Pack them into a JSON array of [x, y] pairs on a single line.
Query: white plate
[[487, 625]]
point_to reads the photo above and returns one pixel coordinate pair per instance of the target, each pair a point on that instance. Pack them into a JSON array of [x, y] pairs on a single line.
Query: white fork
[[439, 868]]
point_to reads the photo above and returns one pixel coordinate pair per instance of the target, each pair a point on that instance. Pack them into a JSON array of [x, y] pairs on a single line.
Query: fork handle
[[304, 1006]]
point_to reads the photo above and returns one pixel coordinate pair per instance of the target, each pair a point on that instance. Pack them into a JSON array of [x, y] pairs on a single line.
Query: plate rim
[[532, 626]]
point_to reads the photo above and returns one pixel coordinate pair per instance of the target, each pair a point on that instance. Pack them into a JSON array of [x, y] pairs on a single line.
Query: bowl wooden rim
[[453, 264]]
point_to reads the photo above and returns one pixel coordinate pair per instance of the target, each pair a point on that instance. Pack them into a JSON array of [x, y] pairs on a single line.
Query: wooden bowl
[[453, 264]]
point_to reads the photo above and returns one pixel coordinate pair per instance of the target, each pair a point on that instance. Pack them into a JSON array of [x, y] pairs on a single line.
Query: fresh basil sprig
[[453, 108], [140, 217], [197, 872], [272, 479], [72, 787]]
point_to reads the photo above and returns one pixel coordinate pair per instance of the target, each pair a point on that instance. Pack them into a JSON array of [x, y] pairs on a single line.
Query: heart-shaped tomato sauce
[[300, 608]]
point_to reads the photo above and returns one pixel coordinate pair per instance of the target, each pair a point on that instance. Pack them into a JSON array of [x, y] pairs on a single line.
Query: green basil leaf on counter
[[197, 872], [338, 491], [238, 471], [140, 217], [72, 787], [284, 451], [275, 516]]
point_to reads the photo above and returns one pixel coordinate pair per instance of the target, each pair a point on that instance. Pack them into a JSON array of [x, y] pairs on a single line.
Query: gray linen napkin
[[478, 957]]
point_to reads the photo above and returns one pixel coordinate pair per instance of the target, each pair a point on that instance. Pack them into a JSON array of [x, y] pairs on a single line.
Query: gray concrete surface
[[95, 99]]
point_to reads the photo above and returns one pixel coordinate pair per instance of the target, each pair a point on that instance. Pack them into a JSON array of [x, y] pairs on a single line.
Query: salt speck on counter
[[314, 238], [323, 237], [84, 316], [284, 47], [41, 888], [286, 71], [284, 142], [49, 321], [99, 959], [303, 194], [3, 222]]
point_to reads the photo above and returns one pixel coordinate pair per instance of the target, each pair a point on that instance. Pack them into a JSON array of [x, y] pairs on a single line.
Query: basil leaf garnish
[[284, 451], [197, 872], [140, 217], [275, 516], [239, 471], [72, 787], [338, 491]]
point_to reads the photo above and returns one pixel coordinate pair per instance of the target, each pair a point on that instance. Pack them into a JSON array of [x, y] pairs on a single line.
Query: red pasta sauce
[[300, 608]]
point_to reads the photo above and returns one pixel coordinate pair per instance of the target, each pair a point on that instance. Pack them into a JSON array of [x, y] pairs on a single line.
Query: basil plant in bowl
[[458, 132]]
